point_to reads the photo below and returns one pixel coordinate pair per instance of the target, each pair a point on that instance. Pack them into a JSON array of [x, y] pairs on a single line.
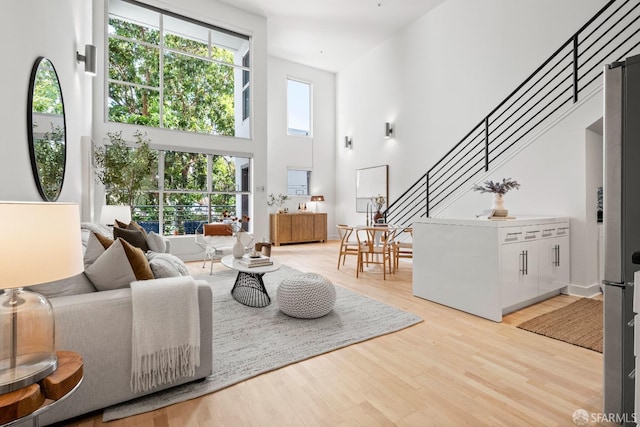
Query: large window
[[298, 108], [173, 72], [191, 189]]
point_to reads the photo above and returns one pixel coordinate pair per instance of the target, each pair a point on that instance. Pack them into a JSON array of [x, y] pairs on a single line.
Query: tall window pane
[[185, 171], [193, 101], [298, 108], [202, 65]]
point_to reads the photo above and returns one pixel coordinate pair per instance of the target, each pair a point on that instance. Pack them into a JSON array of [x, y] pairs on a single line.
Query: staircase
[[551, 91]]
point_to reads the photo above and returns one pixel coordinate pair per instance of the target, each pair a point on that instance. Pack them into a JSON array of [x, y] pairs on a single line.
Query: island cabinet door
[[519, 267], [554, 258]]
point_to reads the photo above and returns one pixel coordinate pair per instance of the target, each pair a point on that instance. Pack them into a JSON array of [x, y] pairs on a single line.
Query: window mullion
[[161, 72], [161, 191]]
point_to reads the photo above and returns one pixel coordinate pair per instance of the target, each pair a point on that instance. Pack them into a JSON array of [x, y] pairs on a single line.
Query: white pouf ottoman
[[306, 296]]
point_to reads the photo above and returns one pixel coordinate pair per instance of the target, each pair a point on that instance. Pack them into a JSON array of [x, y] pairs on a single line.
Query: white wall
[[439, 78], [316, 153], [56, 30]]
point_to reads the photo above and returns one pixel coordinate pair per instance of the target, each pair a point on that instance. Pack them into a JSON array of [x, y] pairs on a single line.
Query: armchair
[[216, 239]]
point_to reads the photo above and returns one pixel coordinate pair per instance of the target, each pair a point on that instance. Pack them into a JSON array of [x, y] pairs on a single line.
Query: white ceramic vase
[[238, 247], [498, 202]]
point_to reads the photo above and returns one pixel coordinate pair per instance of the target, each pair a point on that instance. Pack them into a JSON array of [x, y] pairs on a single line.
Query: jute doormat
[[579, 323]]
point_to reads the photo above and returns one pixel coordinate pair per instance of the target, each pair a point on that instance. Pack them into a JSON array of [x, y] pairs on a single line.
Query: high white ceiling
[[328, 34]]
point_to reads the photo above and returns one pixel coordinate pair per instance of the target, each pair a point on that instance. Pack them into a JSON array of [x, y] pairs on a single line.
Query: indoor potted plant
[[499, 189], [379, 202], [277, 200], [124, 169]]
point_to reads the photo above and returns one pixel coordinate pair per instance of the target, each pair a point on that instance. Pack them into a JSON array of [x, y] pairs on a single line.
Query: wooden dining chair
[[375, 247], [402, 246], [347, 245]]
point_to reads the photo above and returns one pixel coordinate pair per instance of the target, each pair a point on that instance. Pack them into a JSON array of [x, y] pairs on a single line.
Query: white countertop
[[518, 221]]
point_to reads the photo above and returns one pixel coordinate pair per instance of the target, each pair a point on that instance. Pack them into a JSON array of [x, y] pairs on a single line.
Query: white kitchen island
[[490, 268]]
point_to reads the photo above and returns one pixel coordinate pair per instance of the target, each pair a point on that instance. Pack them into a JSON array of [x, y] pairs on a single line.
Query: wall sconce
[[348, 143], [388, 130], [89, 58]]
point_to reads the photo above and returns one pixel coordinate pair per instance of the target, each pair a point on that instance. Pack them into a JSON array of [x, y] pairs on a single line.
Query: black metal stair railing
[[548, 93]]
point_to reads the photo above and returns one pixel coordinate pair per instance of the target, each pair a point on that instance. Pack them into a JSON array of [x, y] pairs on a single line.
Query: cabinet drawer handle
[[524, 263], [556, 256]]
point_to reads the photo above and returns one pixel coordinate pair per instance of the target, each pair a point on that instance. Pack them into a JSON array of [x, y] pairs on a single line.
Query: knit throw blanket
[[166, 331]]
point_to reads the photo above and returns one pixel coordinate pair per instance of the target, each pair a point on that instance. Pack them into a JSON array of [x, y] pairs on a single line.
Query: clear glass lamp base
[[27, 348], [29, 369]]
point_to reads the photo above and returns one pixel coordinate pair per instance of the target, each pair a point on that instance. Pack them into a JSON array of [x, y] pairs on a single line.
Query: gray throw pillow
[[156, 242], [166, 265]]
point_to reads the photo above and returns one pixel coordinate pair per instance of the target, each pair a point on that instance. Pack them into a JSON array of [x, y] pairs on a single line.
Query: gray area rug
[[250, 341]]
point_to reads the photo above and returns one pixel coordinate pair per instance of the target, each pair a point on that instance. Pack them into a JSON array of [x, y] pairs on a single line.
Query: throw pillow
[[118, 266], [134, 237], [138, 261], [96, 245], [131, 226], [156, 242], [166, 265], [135, 226]]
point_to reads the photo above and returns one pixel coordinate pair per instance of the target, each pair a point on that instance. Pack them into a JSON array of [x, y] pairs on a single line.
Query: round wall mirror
[[46, 129]]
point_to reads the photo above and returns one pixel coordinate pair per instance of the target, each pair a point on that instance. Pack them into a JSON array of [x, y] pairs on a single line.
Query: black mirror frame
[[32, 152]]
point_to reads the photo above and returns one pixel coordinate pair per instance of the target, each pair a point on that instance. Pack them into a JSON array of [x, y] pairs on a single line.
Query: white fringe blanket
[[166, 331]]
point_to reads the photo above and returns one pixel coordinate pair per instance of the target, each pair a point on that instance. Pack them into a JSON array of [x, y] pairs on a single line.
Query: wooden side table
[[31, 401]]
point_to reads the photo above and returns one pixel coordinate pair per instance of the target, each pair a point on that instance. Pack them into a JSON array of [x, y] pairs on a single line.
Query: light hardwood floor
[[453, 369]]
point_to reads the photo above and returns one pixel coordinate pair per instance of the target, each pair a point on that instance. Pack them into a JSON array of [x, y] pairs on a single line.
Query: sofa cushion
[[118, 266], [166, 265], [135, 237], [156, 242], [74, 285]]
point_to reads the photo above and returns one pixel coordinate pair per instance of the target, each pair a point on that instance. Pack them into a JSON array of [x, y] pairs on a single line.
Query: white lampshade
[[110, 213], [39, 242]]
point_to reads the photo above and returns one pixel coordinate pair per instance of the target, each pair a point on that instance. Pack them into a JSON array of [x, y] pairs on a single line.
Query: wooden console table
[[298, 227], [29, 402]]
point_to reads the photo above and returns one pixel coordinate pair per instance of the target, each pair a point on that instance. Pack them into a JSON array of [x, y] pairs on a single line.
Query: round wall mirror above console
[[46, 129]]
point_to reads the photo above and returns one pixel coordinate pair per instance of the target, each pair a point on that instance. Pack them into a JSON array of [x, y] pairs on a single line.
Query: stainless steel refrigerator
[[621, 218]]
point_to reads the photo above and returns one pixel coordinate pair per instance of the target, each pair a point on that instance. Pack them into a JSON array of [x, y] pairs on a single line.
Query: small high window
[[298, 182], [298, 108]]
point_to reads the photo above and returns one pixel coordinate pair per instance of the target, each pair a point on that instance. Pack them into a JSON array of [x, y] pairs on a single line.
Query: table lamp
[[317, 199], [39, 243], [110, 213]]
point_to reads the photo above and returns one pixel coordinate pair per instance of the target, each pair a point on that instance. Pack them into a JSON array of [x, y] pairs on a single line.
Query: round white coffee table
[[248, 288]]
